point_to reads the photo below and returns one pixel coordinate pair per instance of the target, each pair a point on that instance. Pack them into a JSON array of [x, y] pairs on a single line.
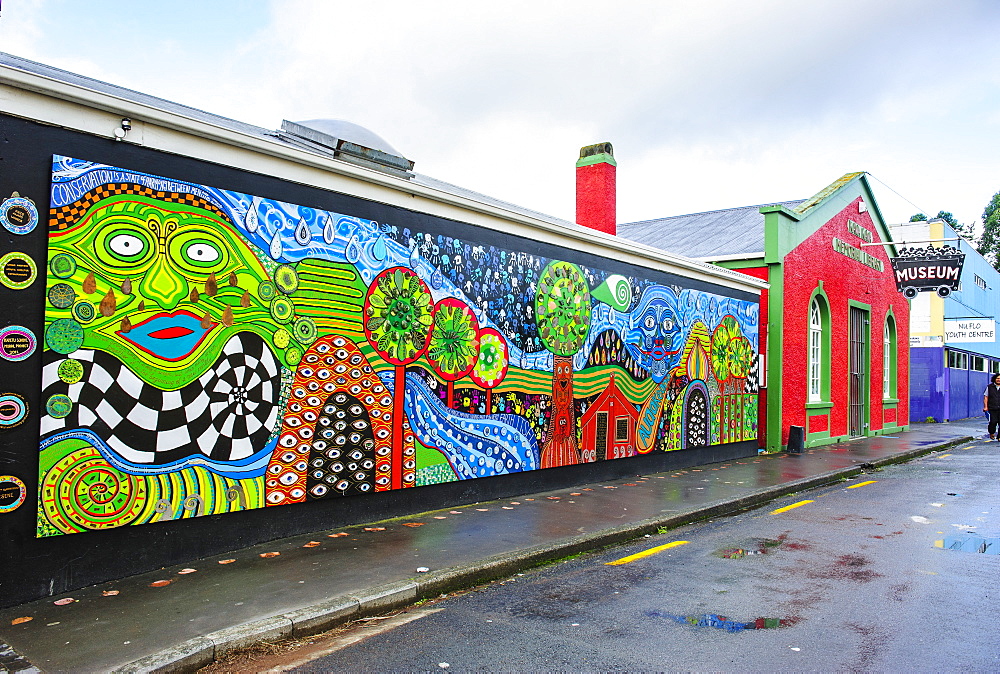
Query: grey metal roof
[[140, 98], [710, 235], [434, 183]]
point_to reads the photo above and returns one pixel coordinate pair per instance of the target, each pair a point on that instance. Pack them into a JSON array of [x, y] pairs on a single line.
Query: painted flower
[[742, 358], [398, 315], [491, 366], [454, 340], [727, 351]]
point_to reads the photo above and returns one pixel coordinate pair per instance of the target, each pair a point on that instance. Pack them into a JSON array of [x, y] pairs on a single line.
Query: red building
[[834, 328], [609, 425]]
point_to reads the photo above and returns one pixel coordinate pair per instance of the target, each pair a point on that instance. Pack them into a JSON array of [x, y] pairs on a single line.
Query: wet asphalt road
[[853, 581]]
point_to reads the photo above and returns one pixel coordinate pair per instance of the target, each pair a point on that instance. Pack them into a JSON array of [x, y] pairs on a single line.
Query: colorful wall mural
[[207, 351]]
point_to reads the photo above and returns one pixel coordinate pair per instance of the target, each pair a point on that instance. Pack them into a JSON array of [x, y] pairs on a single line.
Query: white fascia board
[[51, 101], [727, 258]]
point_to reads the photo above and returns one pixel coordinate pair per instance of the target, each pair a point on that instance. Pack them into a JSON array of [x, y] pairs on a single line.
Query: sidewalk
[[310, 583]]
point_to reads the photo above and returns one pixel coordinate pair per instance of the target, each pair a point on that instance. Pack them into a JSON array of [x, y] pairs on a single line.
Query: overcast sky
[[709, 103]]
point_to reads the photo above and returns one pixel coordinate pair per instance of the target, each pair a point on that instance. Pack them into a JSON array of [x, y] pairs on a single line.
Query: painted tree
[[562, 312], [491, 365], [732, 359], [397, 320], [454, 342]]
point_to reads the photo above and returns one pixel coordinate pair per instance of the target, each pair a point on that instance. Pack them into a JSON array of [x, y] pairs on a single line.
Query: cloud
[[779, 96], [19, 26], [708, 104]]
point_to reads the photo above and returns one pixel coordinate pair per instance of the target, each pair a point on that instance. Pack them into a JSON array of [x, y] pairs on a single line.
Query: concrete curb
[[193, 654]]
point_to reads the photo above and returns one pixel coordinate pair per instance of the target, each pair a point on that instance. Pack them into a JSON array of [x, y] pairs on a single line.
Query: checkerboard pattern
[[227, 414], [67, 216]]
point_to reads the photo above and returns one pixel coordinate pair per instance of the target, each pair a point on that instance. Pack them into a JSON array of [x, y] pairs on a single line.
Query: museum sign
[[928, 269]]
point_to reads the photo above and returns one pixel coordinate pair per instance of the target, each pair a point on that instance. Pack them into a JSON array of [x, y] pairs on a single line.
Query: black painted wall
[[31, 568]]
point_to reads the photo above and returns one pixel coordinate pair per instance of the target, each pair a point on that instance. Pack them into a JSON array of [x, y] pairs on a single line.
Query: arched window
[[815, 351], [889, 358]]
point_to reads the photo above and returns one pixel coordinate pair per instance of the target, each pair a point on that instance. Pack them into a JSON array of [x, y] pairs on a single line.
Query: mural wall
[[207, 351]]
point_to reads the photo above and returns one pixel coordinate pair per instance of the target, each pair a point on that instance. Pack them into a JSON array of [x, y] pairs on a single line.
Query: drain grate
[[11, 661]]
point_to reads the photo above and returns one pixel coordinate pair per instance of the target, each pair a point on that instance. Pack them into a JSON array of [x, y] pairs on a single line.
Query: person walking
[[991, 405]]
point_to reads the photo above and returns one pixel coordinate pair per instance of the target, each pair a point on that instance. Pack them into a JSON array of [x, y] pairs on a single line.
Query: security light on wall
[[123, 130]]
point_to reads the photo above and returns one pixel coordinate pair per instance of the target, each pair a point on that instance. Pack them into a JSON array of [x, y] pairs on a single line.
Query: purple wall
[[940, 392], [975, 383], [927, 384]]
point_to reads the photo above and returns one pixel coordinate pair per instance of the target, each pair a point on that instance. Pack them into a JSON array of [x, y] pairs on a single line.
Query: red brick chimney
[[595, 188]]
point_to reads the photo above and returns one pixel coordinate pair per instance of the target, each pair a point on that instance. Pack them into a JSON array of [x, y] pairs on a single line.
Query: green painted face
[[161, 285]]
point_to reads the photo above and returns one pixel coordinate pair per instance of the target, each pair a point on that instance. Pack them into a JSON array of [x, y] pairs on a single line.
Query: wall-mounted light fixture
[[121, 131]]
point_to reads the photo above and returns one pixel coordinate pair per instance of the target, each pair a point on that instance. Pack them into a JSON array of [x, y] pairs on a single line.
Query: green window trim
[[890, 356], [818, 344]]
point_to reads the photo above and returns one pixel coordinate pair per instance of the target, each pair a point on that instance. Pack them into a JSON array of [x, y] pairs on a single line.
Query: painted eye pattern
[[126, 245], [345, 456], [202, 252]]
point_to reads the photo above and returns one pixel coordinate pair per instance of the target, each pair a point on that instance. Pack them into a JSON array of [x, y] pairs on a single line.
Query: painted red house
[[834, 328], [609, 425]]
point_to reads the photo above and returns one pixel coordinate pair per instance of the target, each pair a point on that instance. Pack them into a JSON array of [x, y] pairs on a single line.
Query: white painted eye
[[202, 252], [650, 322], [126, 244]]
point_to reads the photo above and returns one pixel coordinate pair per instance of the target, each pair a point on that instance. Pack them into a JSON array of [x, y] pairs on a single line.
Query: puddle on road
[[761, 546], [721, 622], [970, 543]]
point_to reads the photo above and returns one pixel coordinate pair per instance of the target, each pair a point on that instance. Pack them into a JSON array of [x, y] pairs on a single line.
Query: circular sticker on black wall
[[17, 270], [13, 410], [16, 342], [12, 493], [18, 215]]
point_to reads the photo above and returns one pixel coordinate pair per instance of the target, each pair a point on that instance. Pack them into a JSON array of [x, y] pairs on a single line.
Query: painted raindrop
[[353, 250], [302, 235], [250, 222], [276, 249], [329, 232], [378, 249]]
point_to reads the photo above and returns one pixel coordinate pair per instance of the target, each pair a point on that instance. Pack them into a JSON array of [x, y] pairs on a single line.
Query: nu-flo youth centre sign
[[970, 330], [928, 269]]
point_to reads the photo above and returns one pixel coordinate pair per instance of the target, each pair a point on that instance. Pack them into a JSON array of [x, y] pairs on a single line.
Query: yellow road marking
[[645, 553], [862, 484], [944, 455], [789, 507]]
